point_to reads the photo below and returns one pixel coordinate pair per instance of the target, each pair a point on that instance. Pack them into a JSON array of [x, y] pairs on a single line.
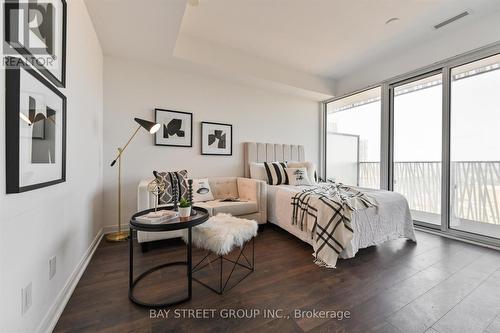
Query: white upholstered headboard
[[271, 152]]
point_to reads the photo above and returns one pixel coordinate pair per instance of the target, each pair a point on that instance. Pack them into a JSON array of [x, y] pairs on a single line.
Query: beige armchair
[[253, 204]]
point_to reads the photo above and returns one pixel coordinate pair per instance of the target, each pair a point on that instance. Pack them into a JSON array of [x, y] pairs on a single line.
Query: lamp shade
[[148, 125]]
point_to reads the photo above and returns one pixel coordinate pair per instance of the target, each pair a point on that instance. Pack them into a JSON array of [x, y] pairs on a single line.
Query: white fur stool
[[220, 235]]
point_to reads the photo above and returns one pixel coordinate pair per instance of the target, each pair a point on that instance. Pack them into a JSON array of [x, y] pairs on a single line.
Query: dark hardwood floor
[[436, 285]]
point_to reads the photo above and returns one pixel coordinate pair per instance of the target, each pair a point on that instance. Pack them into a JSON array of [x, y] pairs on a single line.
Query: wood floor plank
[[494, 326], [467, 316], [426, 310], [431, 330], [376, 310], [376, 287], [386, 328]]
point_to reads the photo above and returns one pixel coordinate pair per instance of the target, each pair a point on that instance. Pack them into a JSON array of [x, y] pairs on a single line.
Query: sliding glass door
[[417, 106], [432, 135], [475, 147], [353, 139]]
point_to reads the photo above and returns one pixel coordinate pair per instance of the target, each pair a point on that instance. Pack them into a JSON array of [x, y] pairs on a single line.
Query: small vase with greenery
[[184, 208]]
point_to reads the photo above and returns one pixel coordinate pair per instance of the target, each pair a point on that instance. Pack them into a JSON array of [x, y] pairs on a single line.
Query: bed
[[390, 220]]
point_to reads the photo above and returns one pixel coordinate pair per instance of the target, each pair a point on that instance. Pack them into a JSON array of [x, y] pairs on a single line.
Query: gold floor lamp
[[152, 128]]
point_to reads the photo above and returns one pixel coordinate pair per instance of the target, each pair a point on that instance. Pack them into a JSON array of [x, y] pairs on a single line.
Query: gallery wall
[[133, 89], [63, 220]]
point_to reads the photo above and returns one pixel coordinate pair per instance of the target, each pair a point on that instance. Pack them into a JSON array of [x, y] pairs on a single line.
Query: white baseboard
[[50, 320]]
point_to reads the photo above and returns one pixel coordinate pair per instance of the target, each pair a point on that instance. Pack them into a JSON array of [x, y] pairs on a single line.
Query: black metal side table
[[198, 216]]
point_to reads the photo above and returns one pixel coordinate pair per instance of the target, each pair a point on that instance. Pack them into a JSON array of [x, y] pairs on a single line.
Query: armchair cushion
[[223, 187], [234, 208], [254, 190], [248, 189]]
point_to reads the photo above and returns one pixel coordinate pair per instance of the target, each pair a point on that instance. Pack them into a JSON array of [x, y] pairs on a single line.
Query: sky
[[475, 122]]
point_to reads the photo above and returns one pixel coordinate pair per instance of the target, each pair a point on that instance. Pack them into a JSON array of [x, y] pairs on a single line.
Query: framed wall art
[[216, 139], [36, 29], [35, 127], [176, 128]]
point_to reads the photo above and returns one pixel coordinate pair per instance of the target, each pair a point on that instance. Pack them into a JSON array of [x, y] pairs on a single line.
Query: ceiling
[[146, 32], [305, 44]]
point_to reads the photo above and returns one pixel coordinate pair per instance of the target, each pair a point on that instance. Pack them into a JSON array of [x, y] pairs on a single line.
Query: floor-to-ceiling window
[[417, 140], [475, 147], [440, 134], [353, 139]]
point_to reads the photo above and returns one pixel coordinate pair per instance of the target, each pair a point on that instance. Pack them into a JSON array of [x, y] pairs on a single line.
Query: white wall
[[64, 219], [133, 89], [452, 40]]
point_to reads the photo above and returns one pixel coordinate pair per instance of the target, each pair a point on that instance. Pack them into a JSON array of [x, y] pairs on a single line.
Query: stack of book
[[160, 216]]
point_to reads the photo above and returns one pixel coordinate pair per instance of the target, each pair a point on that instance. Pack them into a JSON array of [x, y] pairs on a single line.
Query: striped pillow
[[276, 174]]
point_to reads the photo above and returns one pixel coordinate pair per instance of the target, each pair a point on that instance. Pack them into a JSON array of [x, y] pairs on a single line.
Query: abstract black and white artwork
[[36, 29], [35, 125], [176, 128], [216, 139]]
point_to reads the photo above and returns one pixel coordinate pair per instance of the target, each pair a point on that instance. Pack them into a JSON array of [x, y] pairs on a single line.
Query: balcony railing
[[475, 185]]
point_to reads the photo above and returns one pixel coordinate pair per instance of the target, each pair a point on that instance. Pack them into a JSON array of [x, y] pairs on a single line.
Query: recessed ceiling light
[[391, 20]]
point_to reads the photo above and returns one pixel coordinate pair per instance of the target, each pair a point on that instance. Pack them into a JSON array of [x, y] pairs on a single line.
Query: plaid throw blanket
[[328, 208]]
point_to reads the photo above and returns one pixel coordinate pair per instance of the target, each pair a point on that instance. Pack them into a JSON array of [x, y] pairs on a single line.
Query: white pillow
[[297, 176], [201, 190], [311, 169], [258, 171]]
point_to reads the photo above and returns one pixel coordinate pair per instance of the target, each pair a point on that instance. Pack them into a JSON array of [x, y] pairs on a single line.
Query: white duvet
[[391, 219]]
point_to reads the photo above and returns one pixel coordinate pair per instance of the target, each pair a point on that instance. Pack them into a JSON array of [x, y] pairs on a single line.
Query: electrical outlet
[[25, 299], [52, 267]]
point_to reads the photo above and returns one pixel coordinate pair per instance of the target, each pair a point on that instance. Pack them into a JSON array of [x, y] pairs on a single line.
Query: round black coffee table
[[198, 216]]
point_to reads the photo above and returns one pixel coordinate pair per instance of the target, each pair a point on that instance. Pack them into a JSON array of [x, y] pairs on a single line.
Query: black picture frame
[[12, 131], [27, 54], [159, 136], [204, 136]]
